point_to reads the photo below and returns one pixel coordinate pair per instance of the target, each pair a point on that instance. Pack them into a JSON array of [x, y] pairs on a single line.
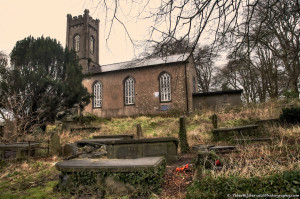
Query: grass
[[35, 178]]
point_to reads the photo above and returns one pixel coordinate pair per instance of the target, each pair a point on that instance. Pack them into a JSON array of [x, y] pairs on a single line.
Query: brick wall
[[146, 88]]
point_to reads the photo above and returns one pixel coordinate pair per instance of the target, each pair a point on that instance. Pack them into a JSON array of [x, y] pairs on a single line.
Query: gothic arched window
[[165, 87], [97, 93], [76, 43], [92, 45], [129, 91]]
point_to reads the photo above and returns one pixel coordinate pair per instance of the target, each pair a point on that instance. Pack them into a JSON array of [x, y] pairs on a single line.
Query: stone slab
[[85, 129], [238, 128], [223, 149], [123, 136], [111, 165], [253, 139], [20, 145], [137, 148], [96, 141]]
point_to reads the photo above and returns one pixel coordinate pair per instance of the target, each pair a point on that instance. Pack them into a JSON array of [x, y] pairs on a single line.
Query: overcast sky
[[21, 18]]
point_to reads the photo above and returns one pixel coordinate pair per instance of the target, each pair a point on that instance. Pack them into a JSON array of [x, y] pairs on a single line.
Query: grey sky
[[19, 19]]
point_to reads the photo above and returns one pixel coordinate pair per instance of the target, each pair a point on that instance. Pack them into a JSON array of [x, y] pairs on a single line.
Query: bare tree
[[204, 62], [183, 19], [279, 32]]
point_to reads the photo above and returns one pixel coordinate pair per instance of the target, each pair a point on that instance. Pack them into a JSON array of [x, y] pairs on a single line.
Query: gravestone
[[55, 146], [184, 147], [139, 131], [214, 119]]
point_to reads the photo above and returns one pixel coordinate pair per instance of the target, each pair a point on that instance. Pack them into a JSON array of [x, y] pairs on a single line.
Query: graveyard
[[238, 150]]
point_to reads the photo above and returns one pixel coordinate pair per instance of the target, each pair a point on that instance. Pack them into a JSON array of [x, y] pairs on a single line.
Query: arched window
[[165, 87], [92, 44], [76, 43], [97, 93], [129, 91]]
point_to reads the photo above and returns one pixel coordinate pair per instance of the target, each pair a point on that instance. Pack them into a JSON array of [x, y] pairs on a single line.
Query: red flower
[[218, 163], [183, 168]]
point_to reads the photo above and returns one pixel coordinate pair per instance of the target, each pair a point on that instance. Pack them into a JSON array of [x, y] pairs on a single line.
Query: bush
[[286, 183], [86, 119], [290, 115]]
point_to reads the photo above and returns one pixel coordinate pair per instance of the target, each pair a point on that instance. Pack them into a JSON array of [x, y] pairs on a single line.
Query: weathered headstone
[[139, 131], [55, 146], [184, 147], [214, 119]]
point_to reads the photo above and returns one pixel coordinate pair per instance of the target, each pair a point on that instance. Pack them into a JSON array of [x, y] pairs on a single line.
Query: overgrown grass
[[36, 178]]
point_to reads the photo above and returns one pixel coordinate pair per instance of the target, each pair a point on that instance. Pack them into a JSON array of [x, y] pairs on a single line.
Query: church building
[[139, 87]]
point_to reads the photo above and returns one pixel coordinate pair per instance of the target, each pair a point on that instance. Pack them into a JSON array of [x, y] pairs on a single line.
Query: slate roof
[[217, 93], [139, 63]]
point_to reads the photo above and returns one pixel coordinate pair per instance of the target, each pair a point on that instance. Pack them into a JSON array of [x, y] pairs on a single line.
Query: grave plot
[[119, 148], [112, 177], [20, 150]]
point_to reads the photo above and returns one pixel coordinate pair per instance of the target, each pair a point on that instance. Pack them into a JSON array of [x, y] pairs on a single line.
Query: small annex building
[[217, 100], [139, 87]]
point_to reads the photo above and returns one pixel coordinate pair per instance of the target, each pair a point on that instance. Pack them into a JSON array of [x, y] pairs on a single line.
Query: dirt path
[[176, 182]]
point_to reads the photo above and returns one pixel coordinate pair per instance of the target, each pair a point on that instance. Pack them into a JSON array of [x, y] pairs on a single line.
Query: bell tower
[[83, 37]]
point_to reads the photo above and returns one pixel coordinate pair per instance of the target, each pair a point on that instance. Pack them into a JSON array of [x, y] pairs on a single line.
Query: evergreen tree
[[44, 79]]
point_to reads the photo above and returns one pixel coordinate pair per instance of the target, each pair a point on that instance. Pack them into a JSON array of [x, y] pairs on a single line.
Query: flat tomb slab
[[253, 139], [101, 141], [137, 148], [85, 129], [111, 165], [19, 145], [238, 128], [123, 136], [223, 149]]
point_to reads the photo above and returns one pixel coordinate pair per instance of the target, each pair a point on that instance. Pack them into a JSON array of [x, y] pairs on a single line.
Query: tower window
[[129, 91], [97, 92], [165, 87], [92, 45], [76, 43]]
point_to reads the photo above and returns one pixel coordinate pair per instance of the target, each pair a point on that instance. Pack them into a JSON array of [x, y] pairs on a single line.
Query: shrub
[[290, 115], [286, 183], [86, 119]]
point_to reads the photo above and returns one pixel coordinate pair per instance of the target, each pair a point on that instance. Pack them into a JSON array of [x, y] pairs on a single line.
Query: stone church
[[139, 87]]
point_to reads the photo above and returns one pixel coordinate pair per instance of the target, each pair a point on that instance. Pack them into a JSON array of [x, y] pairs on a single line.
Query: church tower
[[83, 37]]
